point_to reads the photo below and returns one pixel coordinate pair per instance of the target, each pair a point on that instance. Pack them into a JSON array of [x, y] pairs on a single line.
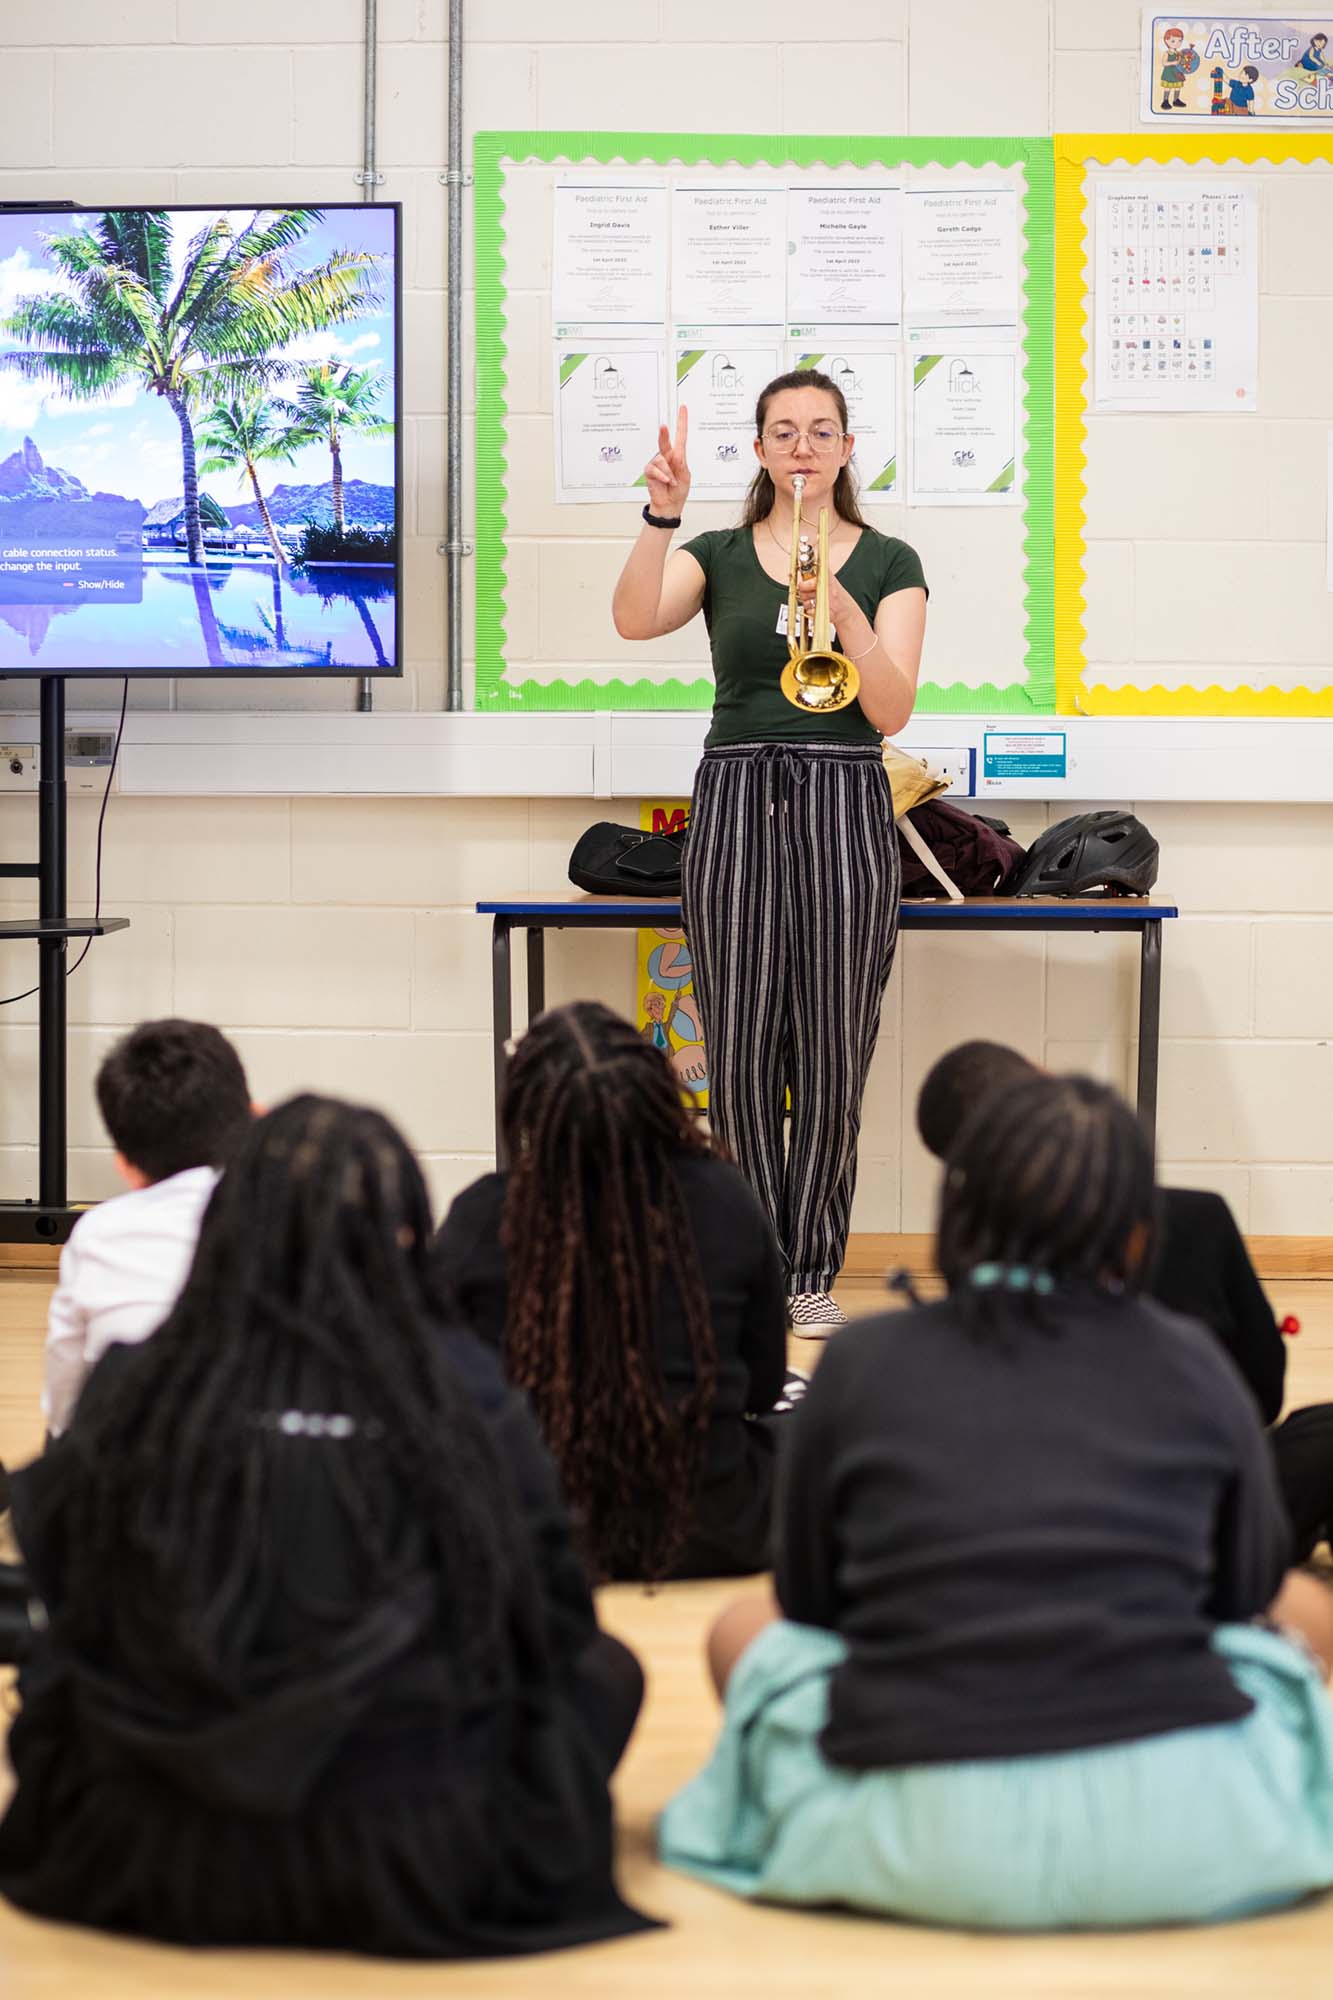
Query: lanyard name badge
[[781, 626]]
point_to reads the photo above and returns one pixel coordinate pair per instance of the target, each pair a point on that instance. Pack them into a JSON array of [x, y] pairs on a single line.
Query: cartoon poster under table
[[665, 1008], [1267, 69]]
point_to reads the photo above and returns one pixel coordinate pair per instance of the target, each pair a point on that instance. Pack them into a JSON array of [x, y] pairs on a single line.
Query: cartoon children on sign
[[1239, 100], [1179, 61]]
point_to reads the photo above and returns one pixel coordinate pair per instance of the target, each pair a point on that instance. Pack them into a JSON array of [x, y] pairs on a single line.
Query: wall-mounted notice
[[719, 372], [960, 257], [729, 256], [867, 374], [1268, 69], [609, 406], [845, 258], [1177, 322], [1036, 753], [609, 261], [965, 427]]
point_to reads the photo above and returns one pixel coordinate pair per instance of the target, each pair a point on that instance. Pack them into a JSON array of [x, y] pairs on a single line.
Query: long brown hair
[[594, 1120], [762, 494]]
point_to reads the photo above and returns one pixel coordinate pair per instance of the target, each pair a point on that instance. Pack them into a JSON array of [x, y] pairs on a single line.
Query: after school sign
[[1268, 69]]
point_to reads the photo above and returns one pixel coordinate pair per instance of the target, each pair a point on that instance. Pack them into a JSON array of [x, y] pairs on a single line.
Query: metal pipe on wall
[[370, 178], [455, 548]]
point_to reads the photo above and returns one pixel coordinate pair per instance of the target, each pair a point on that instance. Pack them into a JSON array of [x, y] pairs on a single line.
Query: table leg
[[1150, 1019], [536, 973], [502, 1020]]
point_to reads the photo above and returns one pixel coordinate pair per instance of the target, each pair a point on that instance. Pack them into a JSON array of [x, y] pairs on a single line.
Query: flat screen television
[[200, 440]]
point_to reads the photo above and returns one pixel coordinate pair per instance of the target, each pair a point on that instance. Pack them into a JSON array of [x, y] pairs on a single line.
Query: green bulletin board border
[[1036, 695]]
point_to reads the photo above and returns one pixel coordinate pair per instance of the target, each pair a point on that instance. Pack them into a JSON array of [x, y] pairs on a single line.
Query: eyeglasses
[[823, 438]]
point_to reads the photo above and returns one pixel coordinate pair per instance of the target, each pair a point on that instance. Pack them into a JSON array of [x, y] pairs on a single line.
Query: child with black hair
[[322, 1668], [1030, 1546], [174, 1100], [632, 1284], [1200, 1268]]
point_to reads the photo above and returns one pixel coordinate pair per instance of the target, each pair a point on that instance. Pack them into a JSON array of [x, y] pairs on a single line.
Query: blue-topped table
[[978, 913]]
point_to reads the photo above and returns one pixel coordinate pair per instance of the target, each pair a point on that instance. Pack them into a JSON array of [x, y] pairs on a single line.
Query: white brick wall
[[334, 938]]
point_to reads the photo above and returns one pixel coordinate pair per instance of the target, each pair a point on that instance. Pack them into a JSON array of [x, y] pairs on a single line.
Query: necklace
[[785, 547]]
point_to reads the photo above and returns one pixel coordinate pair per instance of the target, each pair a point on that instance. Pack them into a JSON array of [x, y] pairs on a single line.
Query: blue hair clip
[[1010, 1278]]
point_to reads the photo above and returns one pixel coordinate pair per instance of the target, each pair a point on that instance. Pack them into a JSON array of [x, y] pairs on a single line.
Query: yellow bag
[[911, 783]]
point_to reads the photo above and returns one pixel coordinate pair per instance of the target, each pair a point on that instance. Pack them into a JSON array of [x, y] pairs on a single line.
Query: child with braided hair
[[322, 1667], [1038, 1663], [632, 1283]]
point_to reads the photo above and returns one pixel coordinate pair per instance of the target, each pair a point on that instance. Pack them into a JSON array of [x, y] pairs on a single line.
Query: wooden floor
[[716, 1946]]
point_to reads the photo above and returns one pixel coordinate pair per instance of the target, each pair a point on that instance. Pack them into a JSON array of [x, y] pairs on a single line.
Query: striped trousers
[[790, 894]]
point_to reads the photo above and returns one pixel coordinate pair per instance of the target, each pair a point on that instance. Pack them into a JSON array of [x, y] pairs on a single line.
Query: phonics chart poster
[[1177, 295], [1151, 612]]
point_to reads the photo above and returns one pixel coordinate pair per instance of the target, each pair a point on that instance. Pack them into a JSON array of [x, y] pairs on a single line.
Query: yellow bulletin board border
[[1075, 152]]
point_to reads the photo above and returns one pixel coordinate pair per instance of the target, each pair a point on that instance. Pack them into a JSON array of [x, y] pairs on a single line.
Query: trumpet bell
[[821, 682]]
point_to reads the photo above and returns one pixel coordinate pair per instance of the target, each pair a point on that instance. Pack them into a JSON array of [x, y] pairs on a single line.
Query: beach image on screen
[[197, 449]]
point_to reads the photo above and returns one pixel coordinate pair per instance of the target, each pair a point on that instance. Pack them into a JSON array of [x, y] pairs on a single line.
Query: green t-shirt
[[745, 610]]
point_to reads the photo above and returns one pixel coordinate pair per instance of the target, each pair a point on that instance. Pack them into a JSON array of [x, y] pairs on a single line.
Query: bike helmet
[[1108, 851]]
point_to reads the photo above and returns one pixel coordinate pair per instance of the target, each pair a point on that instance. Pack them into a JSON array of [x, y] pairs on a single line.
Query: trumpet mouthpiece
[[798, 483]]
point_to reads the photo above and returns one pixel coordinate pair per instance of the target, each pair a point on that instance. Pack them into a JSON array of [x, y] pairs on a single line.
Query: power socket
[[954, 764], [18, 767], [88, 754], [87, 758]]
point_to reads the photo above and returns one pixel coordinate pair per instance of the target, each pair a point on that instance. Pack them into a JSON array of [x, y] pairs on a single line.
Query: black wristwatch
[[659, 521]]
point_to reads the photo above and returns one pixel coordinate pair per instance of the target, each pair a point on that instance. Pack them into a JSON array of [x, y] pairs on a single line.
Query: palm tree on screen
[[330, 403], [240, 436], [193, 332]]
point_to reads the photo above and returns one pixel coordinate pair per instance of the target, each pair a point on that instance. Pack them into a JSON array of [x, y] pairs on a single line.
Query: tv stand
[[49, 1219]]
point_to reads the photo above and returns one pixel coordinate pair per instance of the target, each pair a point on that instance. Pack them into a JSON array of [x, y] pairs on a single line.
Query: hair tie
[[1010, 1278]]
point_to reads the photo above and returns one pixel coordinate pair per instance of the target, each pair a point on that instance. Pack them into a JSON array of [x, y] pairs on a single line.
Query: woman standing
[[791, 872]]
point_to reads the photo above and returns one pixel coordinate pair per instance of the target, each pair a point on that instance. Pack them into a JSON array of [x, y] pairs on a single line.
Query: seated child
[[174, 1100], [631, 1281], [1022, 1675], [322, 1667], [1200, 1268]]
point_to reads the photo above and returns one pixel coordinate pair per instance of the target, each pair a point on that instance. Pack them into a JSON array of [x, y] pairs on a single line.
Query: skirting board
[[1292, 1257], [874, 1256]]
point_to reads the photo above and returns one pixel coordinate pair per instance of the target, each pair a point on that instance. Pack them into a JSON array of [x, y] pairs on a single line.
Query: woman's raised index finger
[[663, 440], [682, 428]]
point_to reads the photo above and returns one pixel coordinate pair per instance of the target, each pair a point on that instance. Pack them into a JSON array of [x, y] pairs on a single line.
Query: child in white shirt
[[174, 1099]]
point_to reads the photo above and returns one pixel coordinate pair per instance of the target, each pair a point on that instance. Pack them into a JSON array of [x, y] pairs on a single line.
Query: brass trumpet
[[815, 678]]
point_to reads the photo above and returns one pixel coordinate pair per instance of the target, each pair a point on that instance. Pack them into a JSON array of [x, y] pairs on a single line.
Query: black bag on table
[[610, 860]]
